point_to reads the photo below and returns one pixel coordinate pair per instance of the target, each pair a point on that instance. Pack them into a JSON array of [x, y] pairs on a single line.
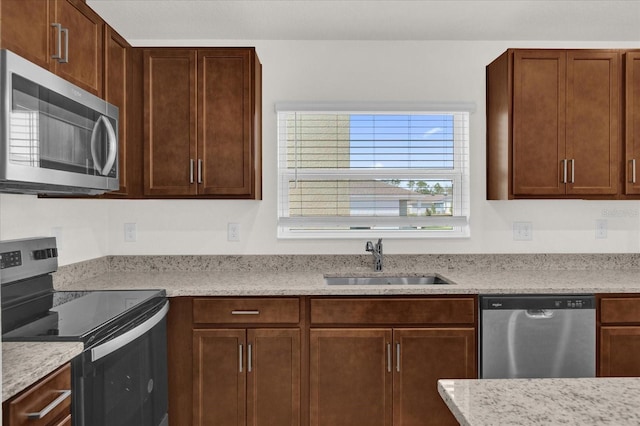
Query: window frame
[[459, 221]]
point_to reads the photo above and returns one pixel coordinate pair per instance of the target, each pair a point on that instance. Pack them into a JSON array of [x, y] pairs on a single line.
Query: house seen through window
[[349, 174]]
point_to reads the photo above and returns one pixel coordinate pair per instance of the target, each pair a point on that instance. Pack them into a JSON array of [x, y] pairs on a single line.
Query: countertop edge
[[25, 363]]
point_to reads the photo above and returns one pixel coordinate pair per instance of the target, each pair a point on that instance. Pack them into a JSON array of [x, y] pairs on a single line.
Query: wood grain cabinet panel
[[423, 356], [619, 336], [246, 377], [202, 115], [392, 311], [554, 124], [27, 30], [350, 377], [37, 397], [632, 114], [117, 69], [246, 310], [363, 374]]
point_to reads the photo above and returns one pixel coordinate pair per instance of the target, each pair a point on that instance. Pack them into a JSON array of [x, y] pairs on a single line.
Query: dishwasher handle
[[539, 313]]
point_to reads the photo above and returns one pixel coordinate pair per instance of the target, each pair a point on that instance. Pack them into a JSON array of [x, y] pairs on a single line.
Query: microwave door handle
[[124, 339], [113, 145]]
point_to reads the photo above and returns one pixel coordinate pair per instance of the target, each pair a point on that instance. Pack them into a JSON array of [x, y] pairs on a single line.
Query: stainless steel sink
[[430, 279]]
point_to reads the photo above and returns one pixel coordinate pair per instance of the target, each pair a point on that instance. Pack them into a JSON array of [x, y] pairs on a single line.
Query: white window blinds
[[349, 172]]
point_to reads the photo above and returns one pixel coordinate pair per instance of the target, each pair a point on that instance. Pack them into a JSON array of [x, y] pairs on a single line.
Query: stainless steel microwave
[[55, 138]]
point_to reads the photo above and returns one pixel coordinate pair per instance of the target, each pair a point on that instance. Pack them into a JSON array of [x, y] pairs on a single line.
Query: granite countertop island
[[583, 402]]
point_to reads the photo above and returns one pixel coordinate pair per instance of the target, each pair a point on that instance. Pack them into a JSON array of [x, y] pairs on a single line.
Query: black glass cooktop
[[75, 315]]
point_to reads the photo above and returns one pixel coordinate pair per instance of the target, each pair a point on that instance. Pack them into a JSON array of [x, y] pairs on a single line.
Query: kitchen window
[[353, 171]]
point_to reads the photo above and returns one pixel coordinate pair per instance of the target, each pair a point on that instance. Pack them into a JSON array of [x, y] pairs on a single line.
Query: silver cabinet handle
[[199, 170], [397, 357], [633, 171], [66, 46], [64, 394], [238, 312], [240, 356], [191, 163], [564, 171], [389, 357], [249, 361], [573, 171], [58, 54]]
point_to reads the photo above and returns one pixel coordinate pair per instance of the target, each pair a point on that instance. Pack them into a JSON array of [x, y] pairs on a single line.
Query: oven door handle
[[128, 337]]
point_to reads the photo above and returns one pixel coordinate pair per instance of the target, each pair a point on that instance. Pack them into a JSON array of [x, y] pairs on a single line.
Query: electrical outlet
[[601, 228], [522, 231], [233, 232], [130, 232]]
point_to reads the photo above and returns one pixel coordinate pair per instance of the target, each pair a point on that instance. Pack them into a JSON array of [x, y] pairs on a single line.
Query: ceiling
[[586, 20]]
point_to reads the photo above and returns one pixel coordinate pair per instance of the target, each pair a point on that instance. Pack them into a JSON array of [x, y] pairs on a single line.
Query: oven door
[[123, 382]]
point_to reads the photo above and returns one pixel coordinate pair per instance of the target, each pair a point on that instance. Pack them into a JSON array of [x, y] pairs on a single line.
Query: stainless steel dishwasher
[[531, 336]]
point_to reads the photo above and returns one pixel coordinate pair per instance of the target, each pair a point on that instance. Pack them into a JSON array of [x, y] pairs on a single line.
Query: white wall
[[335, 71]]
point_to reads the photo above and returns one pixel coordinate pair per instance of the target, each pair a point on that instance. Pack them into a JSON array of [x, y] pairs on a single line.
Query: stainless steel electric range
[[121, 376]]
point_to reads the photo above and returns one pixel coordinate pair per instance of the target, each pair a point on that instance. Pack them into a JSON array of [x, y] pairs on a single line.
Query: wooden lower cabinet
[[246, 377], [49, 390], [619, 336], [386, 376], [350, 378]]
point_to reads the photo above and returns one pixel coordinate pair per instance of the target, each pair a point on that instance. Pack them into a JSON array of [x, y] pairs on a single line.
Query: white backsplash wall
[[80, 226], [376, 71]]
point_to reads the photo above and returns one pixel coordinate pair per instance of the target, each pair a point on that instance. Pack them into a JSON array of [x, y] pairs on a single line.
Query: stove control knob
[[45, 253]]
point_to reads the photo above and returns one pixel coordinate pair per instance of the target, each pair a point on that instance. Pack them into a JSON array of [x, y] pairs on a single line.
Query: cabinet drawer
[[393, 311], [246, 310], [619, 310], [46, 393]]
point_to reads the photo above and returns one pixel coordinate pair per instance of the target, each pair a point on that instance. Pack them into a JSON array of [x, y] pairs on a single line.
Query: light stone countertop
[[520, 402], [300, 283], [24, 363]]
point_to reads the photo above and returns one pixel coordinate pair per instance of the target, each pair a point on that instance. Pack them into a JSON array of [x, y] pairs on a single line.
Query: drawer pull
[[253, 312], [64, 394]]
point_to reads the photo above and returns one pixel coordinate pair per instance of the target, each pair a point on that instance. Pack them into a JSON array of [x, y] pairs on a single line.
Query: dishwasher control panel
[[538, 302]]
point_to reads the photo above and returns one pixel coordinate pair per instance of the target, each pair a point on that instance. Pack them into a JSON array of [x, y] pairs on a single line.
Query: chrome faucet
[[376, 251]]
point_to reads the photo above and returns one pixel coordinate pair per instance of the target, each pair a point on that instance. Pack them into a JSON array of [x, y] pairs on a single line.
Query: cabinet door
[[273, 377], [225, 117], [169, 121], [593, 121], [116, 86], [422, 356], [350, 377], [539, 86], [85, 37], [632, 64], [619, 351], [26, 29], [219, 378]]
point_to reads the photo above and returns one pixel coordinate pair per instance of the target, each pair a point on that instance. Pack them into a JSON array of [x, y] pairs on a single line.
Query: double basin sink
[[427, 279]]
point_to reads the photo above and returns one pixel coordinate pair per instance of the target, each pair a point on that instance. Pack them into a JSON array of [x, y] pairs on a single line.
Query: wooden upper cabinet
[[84, 56], [170, 122], [594, 122], [538, 122], [28, 30], [202, 131], [554, 124], [117, 69], [632, 109]]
